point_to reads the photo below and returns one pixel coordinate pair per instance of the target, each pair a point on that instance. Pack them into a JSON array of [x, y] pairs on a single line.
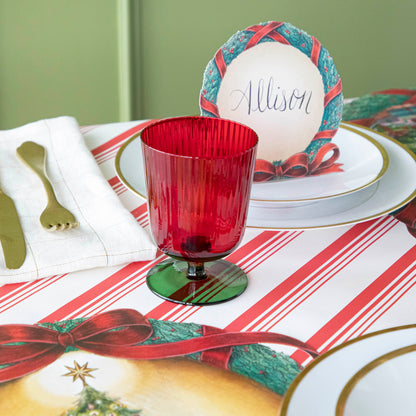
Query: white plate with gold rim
[[393, 190], [383, 196], [383, 387], [318, 389], [363, 162]]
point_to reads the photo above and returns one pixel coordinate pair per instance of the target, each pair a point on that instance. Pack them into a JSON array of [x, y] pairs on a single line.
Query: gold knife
[[11, 233]]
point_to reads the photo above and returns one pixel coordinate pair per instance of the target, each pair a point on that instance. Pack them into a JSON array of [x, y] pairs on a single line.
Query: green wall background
[[372, 43], [58, 57], [67, 57]]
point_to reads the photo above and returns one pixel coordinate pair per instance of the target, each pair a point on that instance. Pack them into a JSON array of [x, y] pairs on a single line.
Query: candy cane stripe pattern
[[286, 34]]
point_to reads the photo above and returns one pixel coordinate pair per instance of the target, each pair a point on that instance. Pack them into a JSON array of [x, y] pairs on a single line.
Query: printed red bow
[[298, 165], [116, 334]]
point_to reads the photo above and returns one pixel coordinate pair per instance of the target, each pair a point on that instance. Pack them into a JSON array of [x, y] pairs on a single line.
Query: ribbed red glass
[[198, 174]]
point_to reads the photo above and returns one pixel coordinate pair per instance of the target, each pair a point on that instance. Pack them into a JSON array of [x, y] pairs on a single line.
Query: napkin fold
[[108, 234]]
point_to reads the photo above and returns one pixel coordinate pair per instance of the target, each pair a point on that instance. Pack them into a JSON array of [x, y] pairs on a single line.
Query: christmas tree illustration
[[92, 402]]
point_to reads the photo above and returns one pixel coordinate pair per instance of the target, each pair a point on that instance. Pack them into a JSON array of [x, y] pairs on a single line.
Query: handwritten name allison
[[269, 96]]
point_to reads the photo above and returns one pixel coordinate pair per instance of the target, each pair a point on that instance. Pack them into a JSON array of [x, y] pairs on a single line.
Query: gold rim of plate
[[349, 126], [117, 163], [383, 169], [359, 375], [292, 388], [370, 217]]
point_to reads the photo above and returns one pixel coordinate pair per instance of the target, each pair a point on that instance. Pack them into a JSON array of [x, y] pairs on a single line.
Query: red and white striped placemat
[[321, 286]]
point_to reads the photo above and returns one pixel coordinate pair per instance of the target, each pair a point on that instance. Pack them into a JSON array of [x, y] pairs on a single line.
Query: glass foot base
[[224, 281]]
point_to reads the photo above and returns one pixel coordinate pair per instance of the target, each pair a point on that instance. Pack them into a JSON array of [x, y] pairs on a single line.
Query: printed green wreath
[[272, 369]]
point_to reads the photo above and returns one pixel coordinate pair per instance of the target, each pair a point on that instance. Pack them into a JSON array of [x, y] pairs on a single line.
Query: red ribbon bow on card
[[298, 165], [117, 333]]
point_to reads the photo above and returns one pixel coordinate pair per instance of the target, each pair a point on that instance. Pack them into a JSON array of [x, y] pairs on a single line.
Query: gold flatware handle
[[11, 234], [55, 216], [34, 156]]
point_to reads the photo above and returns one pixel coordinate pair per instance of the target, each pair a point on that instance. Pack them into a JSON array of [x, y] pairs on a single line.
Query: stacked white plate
[[378, 177], [372, 375]]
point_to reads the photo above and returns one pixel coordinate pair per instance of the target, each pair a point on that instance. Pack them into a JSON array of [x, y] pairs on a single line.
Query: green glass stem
[[196, 271]]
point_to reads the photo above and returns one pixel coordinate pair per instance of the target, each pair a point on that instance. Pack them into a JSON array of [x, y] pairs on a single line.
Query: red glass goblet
[[199, 172]]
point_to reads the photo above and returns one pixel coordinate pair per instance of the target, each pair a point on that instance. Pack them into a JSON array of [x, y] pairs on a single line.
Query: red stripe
[[208, 106], [316, 50], [333, 92], [388, 278], [143, 220], [96, 291], [261, 32], [120, 138], [285, 239], [317, 280], [298, 277], [114, 181], [277, 244], [27, 291], [377, 313], [183, 313], [340, 261], [254, 28], [357, 305], [137, 212], [108, 155], [86, 129], [212, 288], [411, 100], [248, 263], [100, 157], [106, 300], [273, 247], [242, 252], [219, 61], [278, 38], [117, 292], [7, 288], [249, 249]]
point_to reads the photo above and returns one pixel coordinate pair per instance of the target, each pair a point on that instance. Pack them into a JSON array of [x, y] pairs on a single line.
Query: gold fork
[[55, 216]]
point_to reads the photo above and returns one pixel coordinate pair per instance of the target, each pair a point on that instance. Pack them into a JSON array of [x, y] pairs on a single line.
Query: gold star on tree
[[78, 372]]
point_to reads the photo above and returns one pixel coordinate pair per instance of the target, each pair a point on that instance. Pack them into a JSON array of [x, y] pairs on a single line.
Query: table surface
[[323, 286]]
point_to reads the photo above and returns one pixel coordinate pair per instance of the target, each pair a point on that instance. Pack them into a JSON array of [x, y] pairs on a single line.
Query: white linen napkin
[[108, 234]]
